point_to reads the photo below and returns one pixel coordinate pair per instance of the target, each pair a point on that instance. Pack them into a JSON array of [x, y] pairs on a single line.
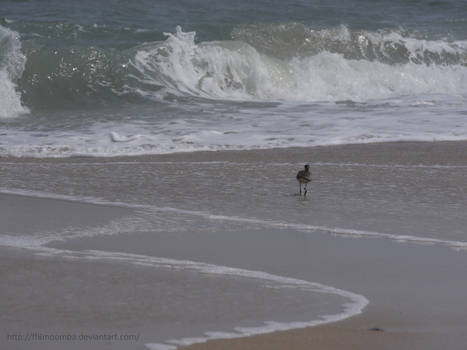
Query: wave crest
[[326, 71], [12, 63], [386, 46], [289, 62], [213, 69]]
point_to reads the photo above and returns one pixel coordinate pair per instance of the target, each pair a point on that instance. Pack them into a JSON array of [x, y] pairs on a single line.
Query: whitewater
[[105, 226], [265, 86]]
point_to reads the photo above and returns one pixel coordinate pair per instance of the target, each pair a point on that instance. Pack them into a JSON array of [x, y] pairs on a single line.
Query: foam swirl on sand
[[353, 303], [458, 245]]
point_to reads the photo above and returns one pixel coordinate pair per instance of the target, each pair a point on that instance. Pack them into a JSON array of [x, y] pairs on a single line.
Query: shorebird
[[303, 177]]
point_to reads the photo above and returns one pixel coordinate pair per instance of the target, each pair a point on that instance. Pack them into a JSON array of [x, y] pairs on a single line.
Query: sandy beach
[[391, 153], [351, 334], [86, 247], [149, 158]]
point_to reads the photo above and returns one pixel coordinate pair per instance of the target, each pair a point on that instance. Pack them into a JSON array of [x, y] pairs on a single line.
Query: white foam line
[[347, 232], [68, 198], [125, 163], [372, 165], [354, 307], [392, 166], [271, 223], [357, 304]]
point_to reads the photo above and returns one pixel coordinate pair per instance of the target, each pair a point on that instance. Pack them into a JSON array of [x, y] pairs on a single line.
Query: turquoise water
[[115, 78]]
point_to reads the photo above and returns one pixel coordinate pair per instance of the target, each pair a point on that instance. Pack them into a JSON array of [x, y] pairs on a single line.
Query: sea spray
[[266, 63], [12, 63], [337, 65], [391, 46], [262, 86]]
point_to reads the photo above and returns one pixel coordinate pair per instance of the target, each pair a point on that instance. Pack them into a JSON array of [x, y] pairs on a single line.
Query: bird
[[303, 177]]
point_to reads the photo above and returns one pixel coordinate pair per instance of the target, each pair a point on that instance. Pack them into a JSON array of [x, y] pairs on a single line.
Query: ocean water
[[114, 78], [188, 255]]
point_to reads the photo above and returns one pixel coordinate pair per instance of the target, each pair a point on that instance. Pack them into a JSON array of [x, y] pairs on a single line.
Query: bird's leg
[[300, 186], [304, 193]]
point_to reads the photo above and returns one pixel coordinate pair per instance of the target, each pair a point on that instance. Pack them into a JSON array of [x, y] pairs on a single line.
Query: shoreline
[[397, 152], [369, 330], [389, 275]]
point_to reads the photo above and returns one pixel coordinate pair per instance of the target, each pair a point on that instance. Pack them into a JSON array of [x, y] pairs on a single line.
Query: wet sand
[[436, 152], [352, 334], [416, 291]]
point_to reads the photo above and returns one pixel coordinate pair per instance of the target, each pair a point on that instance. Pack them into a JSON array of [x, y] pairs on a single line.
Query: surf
[[283, 63], [287, 62], [298, 85], [12, 62], [306, 228]]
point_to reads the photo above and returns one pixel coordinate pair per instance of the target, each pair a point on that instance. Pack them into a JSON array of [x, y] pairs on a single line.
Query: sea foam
[[306, 228], [270, 86], [12, 63], [339, 66], [352, 304]]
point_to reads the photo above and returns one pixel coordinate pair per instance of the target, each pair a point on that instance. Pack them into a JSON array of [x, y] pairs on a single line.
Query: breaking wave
[[293, 62], [11, 67], [288, 62]]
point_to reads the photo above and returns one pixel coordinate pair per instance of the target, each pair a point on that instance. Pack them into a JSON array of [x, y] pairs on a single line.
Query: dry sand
[[351, 334]]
